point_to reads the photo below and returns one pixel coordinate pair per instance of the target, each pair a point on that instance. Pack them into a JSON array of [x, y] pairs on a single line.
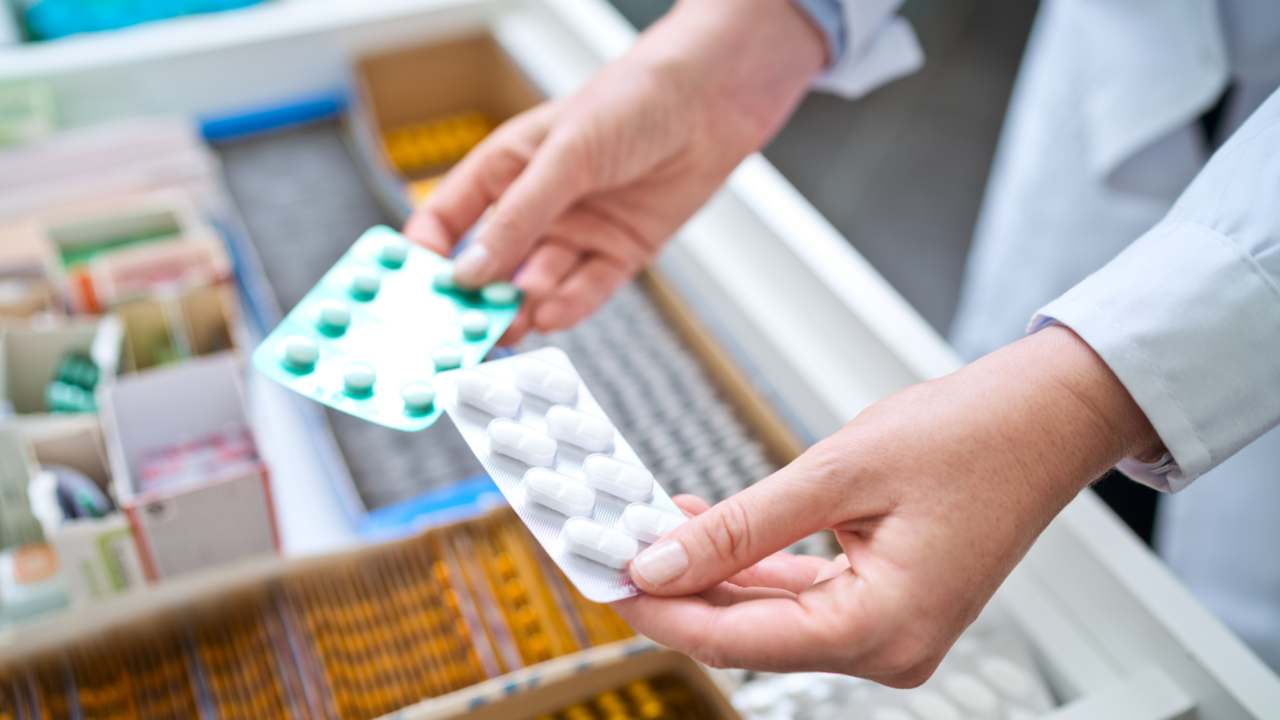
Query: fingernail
[[470, 265], [661, 563]]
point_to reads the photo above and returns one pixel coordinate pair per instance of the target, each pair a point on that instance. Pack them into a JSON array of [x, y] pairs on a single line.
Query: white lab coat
[[1099, 140]]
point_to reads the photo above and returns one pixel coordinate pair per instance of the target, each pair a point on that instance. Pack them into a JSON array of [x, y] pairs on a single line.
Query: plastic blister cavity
[[521, 442], [369, 336], [566, 495], [607, 546], [488, 393], [563, 466], [649, 524], [578, 428], [546, 381], [621, 480]]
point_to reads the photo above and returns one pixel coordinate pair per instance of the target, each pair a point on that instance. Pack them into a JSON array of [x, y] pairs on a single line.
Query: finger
[[726, 594], [548, 265], [585, 290], [691, 504], [813, 631], [554, 179], [833, 568], [817, 563], [781, 571], [472, 185], [734, 534]]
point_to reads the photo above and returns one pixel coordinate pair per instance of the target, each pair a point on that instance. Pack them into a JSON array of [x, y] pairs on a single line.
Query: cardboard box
[[564, 681], [88, 235], [425, 84], [212, 597], [118, 246], [18, 525], [200, 321], [30, 355], [204, 520], [98, 555], [72, 440], [99, 558], [138, 154], [160, 268], [27, 286]]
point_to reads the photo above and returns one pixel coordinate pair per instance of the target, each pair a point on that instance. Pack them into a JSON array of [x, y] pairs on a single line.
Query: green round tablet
[[300, 353], [358, 378], [364, 284], [394, 253], [333, 317], [446, 357], [500, 293], [418, 397], [474, 324], [443, 281]]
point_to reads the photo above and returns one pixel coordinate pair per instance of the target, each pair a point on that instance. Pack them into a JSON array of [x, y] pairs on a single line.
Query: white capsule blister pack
[[562, 465]]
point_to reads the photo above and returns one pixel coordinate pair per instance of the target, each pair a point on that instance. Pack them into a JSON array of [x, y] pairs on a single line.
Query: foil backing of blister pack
[[595, 581]]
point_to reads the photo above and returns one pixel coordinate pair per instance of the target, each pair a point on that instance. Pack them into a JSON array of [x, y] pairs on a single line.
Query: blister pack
[[368, 338], [567, 471]]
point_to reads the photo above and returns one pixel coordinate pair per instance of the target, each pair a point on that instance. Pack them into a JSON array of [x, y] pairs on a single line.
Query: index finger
[[776, 634], [477, 181]]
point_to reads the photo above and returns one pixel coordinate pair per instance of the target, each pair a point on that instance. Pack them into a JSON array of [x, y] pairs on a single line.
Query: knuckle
[[729, 533]]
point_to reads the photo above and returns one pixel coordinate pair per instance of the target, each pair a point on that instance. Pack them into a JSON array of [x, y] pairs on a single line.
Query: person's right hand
[[934, 494], [585, 190]]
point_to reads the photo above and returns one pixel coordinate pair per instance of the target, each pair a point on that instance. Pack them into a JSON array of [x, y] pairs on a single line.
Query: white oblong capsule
[[558, 385], [578, 428], [521, 442], [647, 523], [488, 393], [597, 542], [620, 479], [559, 492]]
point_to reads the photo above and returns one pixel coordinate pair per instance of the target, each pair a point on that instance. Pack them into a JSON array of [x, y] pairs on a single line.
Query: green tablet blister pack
[[368, 338]]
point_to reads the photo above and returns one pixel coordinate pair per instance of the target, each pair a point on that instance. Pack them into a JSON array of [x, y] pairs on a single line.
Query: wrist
[[745, 63]]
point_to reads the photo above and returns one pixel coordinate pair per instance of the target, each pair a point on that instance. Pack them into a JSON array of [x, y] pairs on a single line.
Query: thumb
[[551, 183], [733, 535]]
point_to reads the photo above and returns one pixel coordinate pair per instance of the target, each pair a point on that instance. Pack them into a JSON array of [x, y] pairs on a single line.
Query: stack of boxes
[[124, 433], [351, 636], [416, 112]]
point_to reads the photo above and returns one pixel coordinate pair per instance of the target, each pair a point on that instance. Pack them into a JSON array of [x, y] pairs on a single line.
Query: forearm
[[1044, 413], [746, 62]]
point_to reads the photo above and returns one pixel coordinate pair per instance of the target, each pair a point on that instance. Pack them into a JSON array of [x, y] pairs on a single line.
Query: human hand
[[934, 494], [585, 190]]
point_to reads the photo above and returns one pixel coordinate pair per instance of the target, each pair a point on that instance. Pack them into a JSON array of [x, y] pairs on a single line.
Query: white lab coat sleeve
[[878, 47], [1188, 316]]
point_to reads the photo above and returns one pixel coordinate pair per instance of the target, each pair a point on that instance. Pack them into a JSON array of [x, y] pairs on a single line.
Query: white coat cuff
[[880, 47], [1190, 324]]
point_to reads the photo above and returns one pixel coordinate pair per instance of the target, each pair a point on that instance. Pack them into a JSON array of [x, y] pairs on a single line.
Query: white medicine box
[[98, 556], [185, 468]]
